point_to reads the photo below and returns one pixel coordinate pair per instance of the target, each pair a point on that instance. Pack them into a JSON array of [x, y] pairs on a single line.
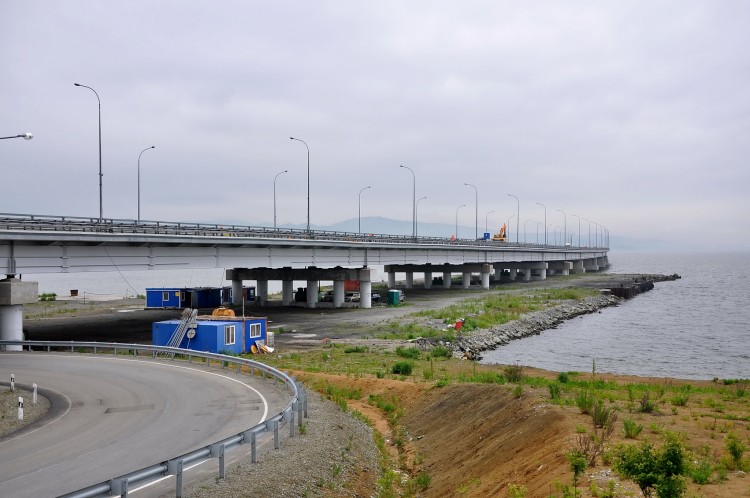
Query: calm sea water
[[693, 328]]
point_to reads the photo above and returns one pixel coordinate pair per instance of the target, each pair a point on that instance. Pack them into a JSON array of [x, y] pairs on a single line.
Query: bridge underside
[[260, 259]]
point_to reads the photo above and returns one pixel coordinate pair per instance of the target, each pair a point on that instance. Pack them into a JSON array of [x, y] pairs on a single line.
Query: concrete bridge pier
[[237, 292], [409, 280], [590, 264], [312, 293], [338, 293], [466, 280], [578, 267], [446, 280], [262, 292], [428, 280], [513, 274], [287, 292], [486, 269], [14, 293], [391, 279], [560, 267], [365, 289]]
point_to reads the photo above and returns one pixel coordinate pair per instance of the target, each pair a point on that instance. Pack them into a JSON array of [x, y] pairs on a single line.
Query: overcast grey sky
[[634, 114]]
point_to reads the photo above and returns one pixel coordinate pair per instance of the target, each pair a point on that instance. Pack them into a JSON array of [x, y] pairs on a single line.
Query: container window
[[228, 335], [165, 296], [254, 330]]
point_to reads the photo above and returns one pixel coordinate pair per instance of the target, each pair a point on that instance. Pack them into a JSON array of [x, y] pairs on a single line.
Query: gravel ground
[[9, 408], [336, 456]]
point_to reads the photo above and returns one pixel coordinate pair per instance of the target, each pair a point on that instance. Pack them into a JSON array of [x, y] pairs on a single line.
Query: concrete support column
[[338, 293], [486, 269], [14, 293], [287, 292], [446, 280], [11, 325], [527, 274], [513, 273], [365, 293], [428, 280], [578, 267], [237, 292], [409, 280], [312, 293], [391, 279], [262, 292], [466, 280]]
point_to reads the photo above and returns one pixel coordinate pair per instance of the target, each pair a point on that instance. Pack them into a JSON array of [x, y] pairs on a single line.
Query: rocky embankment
[[471, 346]]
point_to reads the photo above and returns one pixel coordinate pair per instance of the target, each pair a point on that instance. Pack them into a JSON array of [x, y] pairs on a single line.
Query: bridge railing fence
[[176, 466], [9, 221]]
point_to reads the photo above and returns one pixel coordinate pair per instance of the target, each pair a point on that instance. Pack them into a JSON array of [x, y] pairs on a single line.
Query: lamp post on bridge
[[518, 214], [359, 209], [26, 136], [413, 201], [416, 218], [579, 229], [139, 179], [476, 209], [274, 195], [545, 222], [308, 181], [565, 226], [101, 208], [459, 207], [485, 220]]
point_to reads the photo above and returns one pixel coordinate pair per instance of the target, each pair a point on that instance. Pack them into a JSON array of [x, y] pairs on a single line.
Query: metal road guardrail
[[45, 223], [175, 466]]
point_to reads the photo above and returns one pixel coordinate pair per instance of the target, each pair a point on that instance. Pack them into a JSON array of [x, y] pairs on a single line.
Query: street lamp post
[[545, 222], [459, 207], [359, 209], [101, 209], [476, 209], [413, 201], [579, 229], [565, 226], [589, 221], [27, 136], [485, 220], [274, 196], [139, 179], [308, 181], [416, 218], [518, 214], [524, 229]]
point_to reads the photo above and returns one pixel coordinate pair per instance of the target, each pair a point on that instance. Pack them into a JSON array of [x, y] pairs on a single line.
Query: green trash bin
[[392, 297]]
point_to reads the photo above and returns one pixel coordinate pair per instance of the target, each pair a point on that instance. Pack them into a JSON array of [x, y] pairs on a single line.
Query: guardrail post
[[174, 468], [217, 450], [303, 396], [276, 442], [252, 438], [119, 487], [291, 419]]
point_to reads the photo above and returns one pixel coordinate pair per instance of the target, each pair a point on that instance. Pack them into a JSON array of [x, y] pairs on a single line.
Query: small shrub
[[48, 296], [631, 428], [516, 491], [554, 390], [682, 397], [442, 382], [514, 373], [441, 352], [402, 368], [517, 391], [603, 416], [646, 404], [423, 480], [412, 353], [380, 374], [585, 401], [355, 349], [578, 463], [701, 471], [735, 447], [563, 377]]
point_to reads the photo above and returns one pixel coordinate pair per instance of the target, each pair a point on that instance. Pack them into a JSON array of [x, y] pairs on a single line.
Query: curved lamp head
[[27, 136]]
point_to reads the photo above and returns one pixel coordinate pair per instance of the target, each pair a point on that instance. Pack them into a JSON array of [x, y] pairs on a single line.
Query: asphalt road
[[113, 415]]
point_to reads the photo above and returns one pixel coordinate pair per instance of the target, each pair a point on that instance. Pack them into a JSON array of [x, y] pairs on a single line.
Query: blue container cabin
[[215, 334], [164, 297], [203, 297], [248, 292]]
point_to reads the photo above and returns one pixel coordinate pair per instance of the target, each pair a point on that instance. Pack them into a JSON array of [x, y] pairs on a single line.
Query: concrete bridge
[[44, 244]]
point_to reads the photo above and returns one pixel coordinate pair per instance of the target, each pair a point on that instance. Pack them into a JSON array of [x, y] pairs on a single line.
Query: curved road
[[116, 415]]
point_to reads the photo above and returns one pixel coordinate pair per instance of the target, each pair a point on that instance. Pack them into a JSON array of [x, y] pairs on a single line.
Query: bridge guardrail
[[10, 221], [175, 466]]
